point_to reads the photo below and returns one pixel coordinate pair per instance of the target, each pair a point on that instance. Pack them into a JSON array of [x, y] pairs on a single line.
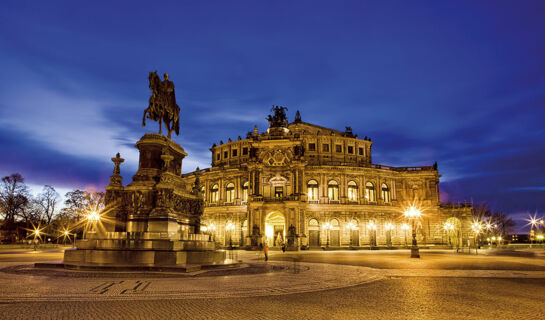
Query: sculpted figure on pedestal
[[162, 104]]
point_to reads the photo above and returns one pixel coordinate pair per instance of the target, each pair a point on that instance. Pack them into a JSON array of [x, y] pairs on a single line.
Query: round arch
[[275, 228]]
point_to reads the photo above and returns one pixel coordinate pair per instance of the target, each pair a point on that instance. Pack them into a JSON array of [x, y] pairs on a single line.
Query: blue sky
[[461, 83]]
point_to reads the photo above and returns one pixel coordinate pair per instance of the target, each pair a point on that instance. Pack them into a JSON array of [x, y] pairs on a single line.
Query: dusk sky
[[458, 82]]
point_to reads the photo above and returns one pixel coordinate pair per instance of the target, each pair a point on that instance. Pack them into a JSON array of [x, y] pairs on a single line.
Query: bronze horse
[[162, 104]]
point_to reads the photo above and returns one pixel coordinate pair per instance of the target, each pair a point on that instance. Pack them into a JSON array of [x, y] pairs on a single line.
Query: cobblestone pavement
[[306, 278], [429, 288], [404, 298]]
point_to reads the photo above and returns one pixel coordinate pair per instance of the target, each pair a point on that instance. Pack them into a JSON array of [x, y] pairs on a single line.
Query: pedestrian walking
[[266, 252]]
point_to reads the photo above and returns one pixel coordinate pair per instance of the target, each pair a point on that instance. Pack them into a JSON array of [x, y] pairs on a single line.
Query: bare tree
[[47, 203], [14, 196], [502, 222]]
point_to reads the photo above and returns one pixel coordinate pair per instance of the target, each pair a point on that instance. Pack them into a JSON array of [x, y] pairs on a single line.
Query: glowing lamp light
[[93, 216], [493, 238], [389, 226], [65, 233], [405, 227], [37, 232], [229, 226], [204, 228], [372, 226], [326, 225], [412, 213], [212, 227], [448, 226], [351, 226], [499, 238]]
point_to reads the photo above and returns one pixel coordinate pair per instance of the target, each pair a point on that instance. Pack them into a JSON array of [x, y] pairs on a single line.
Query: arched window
[[245, 191], [313, 223], [370, 192], [230, 193], [333, 190], [203, 193], [334, 224], [312, 190], [214, 193], [352, 191], [385, 193]]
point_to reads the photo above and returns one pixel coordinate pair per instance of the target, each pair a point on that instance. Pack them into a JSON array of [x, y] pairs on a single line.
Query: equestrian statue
[[162, 104]]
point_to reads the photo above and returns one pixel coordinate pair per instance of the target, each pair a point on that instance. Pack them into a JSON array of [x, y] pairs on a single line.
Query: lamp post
[[405, 227], [476, 227], [212, 229], [449, 227], [351, 227], [533, 222], [389, 227], [373, 230], [229, 227], [93, 218], [413, 214], [327, 227]]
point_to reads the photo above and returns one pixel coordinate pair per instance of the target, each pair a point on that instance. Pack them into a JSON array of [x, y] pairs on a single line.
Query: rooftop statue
[[162, 104], [279, 118]]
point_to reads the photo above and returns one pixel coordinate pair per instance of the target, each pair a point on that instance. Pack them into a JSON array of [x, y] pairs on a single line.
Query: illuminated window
[[370, 192], [214, 193], [350, 149], [203, 192], [278, 192], [230, 193], [333, 190], [245, 191], [312, 187], [311, 147], [338, 148], [352, 191], [385, 193], [325, 147]]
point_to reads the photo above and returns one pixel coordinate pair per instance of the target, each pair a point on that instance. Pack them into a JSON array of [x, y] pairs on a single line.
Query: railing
[[281, 199]]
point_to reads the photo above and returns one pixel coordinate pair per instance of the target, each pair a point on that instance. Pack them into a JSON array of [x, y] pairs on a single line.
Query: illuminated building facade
[[304, 185]]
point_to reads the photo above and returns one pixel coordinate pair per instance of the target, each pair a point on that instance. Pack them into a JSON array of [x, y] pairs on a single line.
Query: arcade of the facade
[[308, 186]]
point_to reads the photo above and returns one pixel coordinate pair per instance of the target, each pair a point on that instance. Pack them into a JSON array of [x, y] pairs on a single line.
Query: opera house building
[[306, 186]]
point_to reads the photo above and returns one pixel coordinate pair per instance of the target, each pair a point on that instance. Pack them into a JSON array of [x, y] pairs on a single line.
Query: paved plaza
[[303, 285]]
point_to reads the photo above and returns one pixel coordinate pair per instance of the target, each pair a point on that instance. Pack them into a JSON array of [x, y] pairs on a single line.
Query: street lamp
[[413, 214], [389, 227], [212, 229], [351, 226], [373, 229], [476, 227], [405, 227], [327, 226], [229, 227], [449, 227]]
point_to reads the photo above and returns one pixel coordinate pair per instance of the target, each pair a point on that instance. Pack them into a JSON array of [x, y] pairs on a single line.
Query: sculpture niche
[[162, 104]]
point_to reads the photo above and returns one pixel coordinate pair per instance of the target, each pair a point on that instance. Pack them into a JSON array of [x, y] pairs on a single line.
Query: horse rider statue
[[162, 104]]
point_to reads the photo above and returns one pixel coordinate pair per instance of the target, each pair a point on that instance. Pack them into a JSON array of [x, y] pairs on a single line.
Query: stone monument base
[[143, 249]]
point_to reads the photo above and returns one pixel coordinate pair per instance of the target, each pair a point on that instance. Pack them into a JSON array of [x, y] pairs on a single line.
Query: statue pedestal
[[155, 217]]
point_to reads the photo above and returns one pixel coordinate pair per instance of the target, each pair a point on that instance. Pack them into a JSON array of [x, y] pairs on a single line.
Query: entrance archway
[[313, 233], [454, 236], [335, 233], [275, 229]]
